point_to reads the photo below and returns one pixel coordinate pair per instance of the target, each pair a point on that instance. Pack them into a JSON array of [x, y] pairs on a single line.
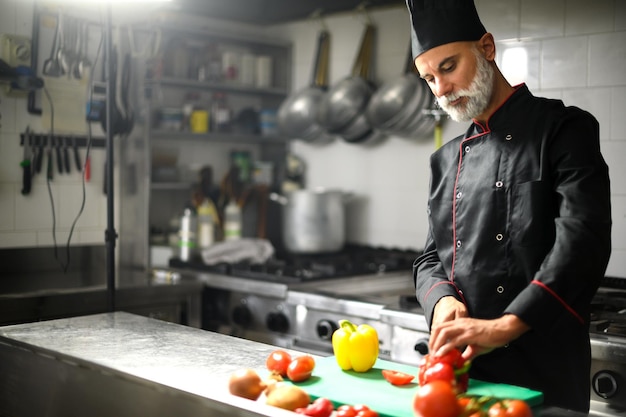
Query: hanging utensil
[[66, 156], [61, 54], [342, 110], [26, 163], [79, 165], [398, 103], [57, 148], [345, 100], [84, 64], [51, 66], [297, 115]]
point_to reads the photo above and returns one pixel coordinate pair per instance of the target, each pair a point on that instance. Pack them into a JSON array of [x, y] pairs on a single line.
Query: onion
[[288, 397], [246, 383]]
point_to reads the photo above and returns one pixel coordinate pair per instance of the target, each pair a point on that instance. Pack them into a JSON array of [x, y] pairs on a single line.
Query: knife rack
[[41, 140]]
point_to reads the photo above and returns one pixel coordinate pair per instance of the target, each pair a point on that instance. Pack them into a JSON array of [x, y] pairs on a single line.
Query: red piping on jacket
[[456, 184], [559, 299], [449, 283], [486, 129]]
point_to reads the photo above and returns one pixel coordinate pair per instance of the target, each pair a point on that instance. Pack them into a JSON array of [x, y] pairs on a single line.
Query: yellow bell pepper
[[355, 347]]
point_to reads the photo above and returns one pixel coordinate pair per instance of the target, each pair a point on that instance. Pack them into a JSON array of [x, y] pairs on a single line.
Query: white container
[[231, 66], [187, 235], [247, 70], [206, 225], [232, 222], [263, 71]]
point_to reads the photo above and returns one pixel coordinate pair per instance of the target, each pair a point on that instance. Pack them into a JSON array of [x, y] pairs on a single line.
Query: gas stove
[[607, 332], [285, 267]]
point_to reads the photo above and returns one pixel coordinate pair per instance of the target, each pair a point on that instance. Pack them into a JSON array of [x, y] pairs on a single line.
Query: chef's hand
[[479, 336], [448, 308]]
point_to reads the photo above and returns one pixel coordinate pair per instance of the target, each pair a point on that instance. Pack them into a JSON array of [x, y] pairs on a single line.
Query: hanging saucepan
[[396, 107], [298, 114], [342, 107], [423, 121]]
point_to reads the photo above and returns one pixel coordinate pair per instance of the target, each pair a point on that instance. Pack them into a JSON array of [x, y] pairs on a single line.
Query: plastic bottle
[[206, 226], [232, 222], [220, 113], [187, 235]]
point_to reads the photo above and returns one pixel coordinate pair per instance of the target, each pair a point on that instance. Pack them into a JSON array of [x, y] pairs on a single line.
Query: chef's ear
[[487, 46]]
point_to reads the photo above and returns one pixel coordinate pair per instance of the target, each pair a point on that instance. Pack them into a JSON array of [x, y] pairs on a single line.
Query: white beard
[[478, 94]]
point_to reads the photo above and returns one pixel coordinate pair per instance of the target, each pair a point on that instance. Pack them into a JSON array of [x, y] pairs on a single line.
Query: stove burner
[[286, 267]]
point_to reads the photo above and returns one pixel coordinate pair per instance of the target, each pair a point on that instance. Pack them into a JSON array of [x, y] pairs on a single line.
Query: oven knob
[[242, 316], [325, 329], [605, 384], [421, 346], [277, 322]]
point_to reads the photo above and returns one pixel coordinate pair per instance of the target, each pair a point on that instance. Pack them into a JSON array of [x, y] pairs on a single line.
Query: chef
[[519, 216]]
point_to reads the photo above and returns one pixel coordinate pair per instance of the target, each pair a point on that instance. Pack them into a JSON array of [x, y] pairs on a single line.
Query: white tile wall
[[542, 19], [576, 53], [607, 58], [583, 16], [564, 62], [26, 221]]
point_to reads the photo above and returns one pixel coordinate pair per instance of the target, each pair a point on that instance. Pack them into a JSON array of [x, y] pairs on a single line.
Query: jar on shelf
[[221, 113], [187, 239], [232, 221]]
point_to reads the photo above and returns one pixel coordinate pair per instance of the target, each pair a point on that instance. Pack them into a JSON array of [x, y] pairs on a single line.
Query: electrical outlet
[[15, 50]]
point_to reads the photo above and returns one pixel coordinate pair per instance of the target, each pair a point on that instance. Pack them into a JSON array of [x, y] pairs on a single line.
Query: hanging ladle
[[51, 66]]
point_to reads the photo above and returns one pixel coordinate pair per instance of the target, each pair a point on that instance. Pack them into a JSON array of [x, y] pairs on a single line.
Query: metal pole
[[110, 235]]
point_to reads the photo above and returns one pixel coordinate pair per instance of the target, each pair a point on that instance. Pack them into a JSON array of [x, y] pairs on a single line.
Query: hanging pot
[[298, 114], [342, 107], [397, 106], [313, 221]]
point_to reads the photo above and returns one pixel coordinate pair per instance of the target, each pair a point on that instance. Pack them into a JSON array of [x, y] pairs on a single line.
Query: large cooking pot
[[313, 221]]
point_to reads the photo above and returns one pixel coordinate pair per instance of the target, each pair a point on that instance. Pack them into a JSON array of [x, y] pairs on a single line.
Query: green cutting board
[[371, 389]]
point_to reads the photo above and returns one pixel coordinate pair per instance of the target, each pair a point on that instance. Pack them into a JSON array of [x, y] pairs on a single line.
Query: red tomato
[[436, 399], [510, 408], [301, 368], [367, 413], [397, 377], [440, 371], [358, 410], [278, 361], [345, 411], [321, 407], [453, 357]]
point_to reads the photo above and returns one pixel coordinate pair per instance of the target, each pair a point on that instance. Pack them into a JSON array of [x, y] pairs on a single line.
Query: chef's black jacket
[[520, 222]]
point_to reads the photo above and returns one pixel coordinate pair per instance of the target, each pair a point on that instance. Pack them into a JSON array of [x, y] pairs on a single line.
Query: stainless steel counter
[[125, 365]]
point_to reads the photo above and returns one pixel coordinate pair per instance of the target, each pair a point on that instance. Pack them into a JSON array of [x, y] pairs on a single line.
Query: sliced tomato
[[397, 377]]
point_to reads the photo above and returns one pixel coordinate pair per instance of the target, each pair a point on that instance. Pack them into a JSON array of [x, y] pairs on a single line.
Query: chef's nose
[[441, 87]]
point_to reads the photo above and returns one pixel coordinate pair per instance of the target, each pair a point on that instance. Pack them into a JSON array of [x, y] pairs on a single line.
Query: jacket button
[[458, 243], [500, 289], [499, 184], [508, 137], [499, 237]]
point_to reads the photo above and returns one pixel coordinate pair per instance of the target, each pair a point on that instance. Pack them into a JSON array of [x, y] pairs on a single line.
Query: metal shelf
[[170, 186], [167, 135], [225, 87]]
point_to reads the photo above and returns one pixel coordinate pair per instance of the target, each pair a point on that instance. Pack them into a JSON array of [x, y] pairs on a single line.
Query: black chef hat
[[438, 22]]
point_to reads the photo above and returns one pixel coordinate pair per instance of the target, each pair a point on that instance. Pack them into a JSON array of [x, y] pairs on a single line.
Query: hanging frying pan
[[297, 115]]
